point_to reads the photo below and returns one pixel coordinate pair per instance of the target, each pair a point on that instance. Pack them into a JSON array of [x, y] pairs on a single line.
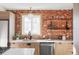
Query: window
[[31, 23]]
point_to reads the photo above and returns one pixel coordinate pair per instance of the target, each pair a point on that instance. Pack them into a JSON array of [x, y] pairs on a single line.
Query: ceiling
[[36, 6]]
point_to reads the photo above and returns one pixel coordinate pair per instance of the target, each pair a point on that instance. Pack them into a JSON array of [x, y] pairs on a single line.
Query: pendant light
[[30, 15]]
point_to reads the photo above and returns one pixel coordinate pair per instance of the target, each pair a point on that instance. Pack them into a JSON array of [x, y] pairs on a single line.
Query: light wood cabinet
[[26, 45], [63, 49], [4, 15], [37, 48], [19, 45], [59, 48]]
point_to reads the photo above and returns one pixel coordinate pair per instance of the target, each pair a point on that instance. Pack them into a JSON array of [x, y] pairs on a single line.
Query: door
[[3, 33]]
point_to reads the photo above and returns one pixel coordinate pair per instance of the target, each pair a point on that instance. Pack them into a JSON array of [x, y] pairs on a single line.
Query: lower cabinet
[[37, 48], [58, 48], [63, 49], [27, 45]]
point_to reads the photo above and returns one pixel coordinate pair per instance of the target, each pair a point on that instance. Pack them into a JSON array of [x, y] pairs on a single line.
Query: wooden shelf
[[60, 19], [61, 30]]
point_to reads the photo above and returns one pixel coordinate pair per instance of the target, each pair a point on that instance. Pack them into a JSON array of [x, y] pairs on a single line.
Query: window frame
[[40, 24]]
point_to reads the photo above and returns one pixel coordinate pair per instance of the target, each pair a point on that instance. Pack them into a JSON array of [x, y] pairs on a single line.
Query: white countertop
[[40, 40]]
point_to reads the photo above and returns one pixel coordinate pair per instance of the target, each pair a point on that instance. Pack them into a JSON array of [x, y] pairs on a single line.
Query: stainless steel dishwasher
[[46, 48]]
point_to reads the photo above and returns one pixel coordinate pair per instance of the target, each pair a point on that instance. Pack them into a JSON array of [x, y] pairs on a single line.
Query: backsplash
[[57, 17]]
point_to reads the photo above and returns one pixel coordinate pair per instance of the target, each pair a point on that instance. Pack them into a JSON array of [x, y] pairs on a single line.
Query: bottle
[[63, 37], [29, 34]]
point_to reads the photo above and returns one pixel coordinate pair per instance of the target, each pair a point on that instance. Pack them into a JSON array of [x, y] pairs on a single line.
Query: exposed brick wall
[[47, 17]]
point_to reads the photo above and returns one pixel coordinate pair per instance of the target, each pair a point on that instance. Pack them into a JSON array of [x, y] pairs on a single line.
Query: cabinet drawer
[[14, 45], [20, 45]]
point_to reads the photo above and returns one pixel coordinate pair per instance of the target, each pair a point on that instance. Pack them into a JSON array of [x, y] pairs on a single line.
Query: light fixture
[[30, 13]]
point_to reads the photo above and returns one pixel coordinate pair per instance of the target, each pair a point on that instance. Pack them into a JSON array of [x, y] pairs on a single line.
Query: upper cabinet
[[4, 15]]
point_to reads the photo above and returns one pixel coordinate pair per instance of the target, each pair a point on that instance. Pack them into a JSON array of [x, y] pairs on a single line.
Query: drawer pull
[[13, 43], [29, 44]]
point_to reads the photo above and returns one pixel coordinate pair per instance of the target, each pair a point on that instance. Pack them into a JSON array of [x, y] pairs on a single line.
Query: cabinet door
[[3, 33], [37, 48], [63, 49], [19, 45]]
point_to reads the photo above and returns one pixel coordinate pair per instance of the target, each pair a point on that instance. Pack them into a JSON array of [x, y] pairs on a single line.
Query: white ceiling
[[36, 6]]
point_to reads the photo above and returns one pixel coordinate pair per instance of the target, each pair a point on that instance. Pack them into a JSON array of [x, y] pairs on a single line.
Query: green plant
[[17, 35]]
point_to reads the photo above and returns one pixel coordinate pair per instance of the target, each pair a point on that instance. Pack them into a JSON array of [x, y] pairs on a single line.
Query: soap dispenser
[[63, 37]]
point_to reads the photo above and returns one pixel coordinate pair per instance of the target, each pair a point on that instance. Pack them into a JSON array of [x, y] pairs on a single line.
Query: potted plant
[[17, 36]]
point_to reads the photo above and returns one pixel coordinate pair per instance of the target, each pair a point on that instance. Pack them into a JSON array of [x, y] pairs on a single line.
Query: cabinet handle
[[72, 52], [60, 43], [29, 44], [13, 43]]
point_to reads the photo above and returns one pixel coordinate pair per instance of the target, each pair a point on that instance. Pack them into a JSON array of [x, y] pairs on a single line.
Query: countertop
[[40, 40]]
